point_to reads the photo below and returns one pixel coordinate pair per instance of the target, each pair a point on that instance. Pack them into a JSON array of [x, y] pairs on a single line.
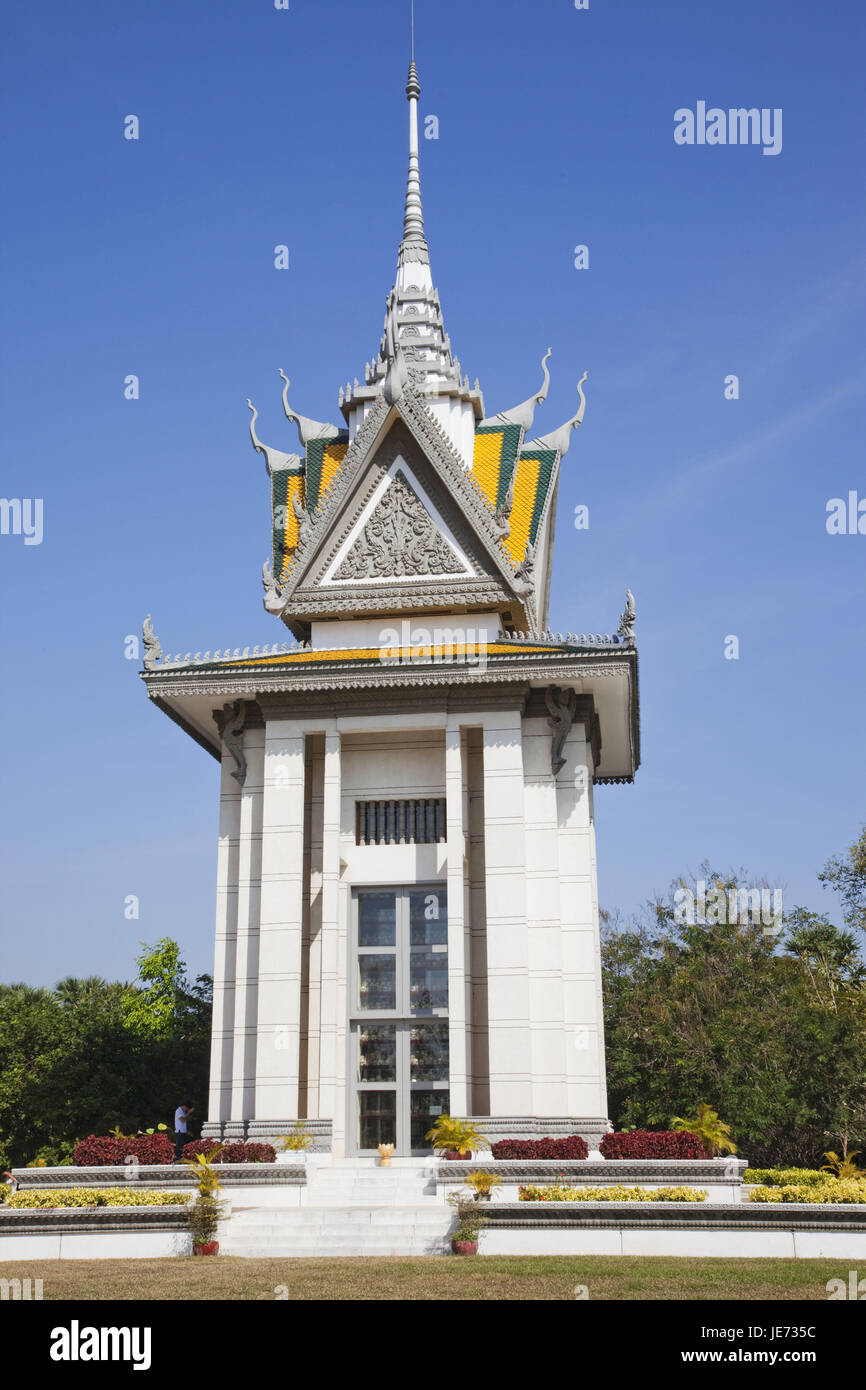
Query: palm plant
[[204, 1213], [843, 1166], [456, 1136], [713, 1133], [483, 1183], [298, 1139]]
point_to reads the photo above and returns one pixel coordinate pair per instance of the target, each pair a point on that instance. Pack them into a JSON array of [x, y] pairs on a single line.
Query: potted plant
[[470, 1219], [483, 1184], [205, 1211], [456, 1138], [298, 1141]]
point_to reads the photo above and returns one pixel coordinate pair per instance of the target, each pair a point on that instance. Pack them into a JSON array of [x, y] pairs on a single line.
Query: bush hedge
[[46, 1197], [557, 1193], [787, 1177], [231, 1153], [645, 1143], [832, 1192], [571, 1147], [102, 1151]]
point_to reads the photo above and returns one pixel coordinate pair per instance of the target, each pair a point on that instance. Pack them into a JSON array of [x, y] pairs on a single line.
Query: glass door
[[399, 1016]]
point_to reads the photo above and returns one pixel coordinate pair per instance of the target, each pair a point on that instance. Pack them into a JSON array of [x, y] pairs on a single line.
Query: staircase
[[351, 1207]]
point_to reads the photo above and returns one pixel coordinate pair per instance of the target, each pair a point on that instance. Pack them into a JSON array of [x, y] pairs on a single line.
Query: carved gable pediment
[[404, 527], [399, 537]]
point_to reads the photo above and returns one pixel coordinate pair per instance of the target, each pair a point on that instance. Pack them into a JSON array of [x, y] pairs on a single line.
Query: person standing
[[181, 1135]]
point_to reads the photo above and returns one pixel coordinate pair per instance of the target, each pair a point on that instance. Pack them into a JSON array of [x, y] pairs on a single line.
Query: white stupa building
[[407, 914]]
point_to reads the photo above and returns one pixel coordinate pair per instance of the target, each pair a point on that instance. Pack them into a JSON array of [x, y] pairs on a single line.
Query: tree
[[72, 1065], [771, 1034], [846, 875]]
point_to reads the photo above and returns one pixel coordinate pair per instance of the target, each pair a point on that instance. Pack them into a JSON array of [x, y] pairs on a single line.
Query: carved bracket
[[230, 721]]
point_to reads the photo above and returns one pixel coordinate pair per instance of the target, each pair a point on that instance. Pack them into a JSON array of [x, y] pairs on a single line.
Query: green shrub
[[42, 1198], [785, 1177], [557, 1193], [836, 1191]]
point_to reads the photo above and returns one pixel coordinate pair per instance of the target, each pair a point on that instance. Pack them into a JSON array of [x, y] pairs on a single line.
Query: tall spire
[[414, 244]]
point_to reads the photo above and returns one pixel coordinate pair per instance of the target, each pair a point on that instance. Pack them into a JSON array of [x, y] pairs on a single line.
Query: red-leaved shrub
[[98, 1151], [237, 1152], [570, 1147], [644, 1143]]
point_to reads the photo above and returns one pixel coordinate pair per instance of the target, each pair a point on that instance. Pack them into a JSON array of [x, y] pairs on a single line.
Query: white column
[[581, 950], [546, 995], [458, 963], [222, 1025], [331, 1019], [507, 945], [279, 1006], [313, 929], [248, 909]]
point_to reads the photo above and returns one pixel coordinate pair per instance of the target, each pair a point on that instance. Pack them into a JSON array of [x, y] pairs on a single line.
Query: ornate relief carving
[[150, 641], [627, 621], [231, 722], [562, 707], [399, 539]]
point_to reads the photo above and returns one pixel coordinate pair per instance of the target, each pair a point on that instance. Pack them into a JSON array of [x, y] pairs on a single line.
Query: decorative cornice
[[584, 1172], [513, 695], [22, 1221], [166, 1175], [683, 1216]]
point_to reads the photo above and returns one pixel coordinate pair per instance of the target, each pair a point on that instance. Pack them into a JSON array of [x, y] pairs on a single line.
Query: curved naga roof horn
[[307, 429], [525, 414], [561, 438], [274, 458]]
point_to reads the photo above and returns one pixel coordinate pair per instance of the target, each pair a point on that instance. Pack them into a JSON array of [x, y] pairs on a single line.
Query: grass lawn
[[498, 1277]]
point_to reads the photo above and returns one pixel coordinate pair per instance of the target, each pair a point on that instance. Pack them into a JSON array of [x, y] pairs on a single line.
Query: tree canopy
[[91, 1054], [767, 1026]]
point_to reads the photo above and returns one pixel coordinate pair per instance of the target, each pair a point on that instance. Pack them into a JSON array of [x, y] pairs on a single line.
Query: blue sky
[[155, 257]]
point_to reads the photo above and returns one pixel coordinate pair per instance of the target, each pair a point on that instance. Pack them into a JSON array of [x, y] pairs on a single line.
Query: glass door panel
[[427, 1106], [428, 917], [377, 1052], [428, 1053], [377, 1118], [377, 919], [377, 982], [400, 1066]]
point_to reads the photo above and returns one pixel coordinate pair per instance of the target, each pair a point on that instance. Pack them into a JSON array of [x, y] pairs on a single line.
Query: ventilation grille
[[417, 822]]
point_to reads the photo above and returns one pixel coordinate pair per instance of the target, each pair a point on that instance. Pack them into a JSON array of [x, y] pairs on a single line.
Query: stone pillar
[[313, 923], [546, 995], [279, 1004], [581, 951], [222, 1025], [459, 974], [248, 909], [505, 890], [331, 1019]]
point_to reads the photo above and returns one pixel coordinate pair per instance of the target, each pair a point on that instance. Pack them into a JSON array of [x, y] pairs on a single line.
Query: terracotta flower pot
[[210, 1248], [464, 1247], [455, 1154]]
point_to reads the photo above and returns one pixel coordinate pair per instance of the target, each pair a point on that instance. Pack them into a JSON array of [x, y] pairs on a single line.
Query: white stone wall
[[526, 1035]]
